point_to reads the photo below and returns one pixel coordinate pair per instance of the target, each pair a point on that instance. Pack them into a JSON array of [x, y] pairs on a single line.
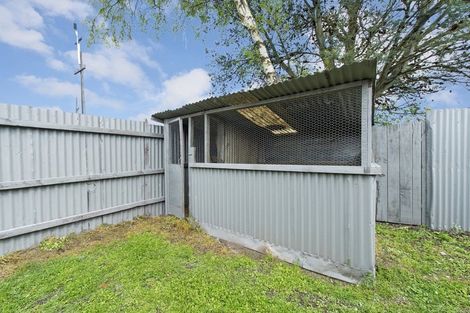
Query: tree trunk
[[248, 21]]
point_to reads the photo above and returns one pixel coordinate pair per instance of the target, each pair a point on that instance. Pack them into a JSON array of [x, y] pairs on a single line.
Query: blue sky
[[138, 78]]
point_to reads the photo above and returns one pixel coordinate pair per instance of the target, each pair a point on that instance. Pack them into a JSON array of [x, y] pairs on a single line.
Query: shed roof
[[365, 70]]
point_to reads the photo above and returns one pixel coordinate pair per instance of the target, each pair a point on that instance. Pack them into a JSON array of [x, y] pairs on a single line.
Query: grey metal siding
[[72, 174], [328, 216], [450, 168]]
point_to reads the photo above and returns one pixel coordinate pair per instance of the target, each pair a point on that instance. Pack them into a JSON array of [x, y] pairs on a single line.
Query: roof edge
[[365, 70]]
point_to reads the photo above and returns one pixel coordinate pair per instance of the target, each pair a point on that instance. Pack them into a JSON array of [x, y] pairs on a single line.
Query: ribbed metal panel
[[346, 74], [450, 168], [31, 155], [328, 216]]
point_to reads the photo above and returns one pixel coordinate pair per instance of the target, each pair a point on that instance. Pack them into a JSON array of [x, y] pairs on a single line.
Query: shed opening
[[319, 129]]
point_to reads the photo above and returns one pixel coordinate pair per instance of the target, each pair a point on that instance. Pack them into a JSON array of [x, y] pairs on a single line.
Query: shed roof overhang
[[365, 70]]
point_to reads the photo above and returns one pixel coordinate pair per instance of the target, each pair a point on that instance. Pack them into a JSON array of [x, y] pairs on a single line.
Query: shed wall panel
[[330, 217]]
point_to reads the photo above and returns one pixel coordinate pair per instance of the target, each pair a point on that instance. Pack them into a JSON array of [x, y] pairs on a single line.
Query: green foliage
[[53, 244], [418, 271], [419, 45], [407, 113]]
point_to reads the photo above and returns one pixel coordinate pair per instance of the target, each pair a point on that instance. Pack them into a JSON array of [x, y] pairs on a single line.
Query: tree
[[420, 45], [248, 21]]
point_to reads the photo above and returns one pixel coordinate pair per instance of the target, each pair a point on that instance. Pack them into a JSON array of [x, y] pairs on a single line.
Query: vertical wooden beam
[[366, 124], [191, 155], [191, 160], [181, 131], [405, 179], [181, 164], [417, 173], [393, 174], [426, 152], [166, 161], [147, 164], [190, 132], [207, 131], [380, 151]]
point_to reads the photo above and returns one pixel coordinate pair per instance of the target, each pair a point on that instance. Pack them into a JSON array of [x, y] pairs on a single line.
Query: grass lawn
[[167, 265]]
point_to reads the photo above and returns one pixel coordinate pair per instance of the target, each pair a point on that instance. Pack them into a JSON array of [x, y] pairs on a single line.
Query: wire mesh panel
[[175, 143], [322, 129], [198, 138]]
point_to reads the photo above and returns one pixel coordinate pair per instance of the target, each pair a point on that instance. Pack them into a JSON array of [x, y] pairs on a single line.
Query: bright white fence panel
[[64, 172]]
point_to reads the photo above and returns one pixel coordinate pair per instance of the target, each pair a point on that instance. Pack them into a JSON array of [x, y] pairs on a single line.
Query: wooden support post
[[207, 128]]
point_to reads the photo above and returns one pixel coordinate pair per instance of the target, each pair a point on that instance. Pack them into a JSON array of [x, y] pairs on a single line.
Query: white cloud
[[141, 53], [48, 86], [145, 117], [122, 65], [53, 87], [119, 65], [20, 27], [141, 117], [69, 9], [178, 90], [93, 99], [444, 97], [184, 88], [132, 65], [22, 24], [56, 64]]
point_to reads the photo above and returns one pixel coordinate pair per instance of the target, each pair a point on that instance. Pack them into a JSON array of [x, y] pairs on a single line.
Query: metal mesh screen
[[322, 129], [175, 143], [198, 138]]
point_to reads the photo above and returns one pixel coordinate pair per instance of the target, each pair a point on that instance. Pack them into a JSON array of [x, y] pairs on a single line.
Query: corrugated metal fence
[[63, 172], [426, 166], [450, 168]]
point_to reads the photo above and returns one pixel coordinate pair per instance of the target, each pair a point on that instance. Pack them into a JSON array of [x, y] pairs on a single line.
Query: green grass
[[166, 265]]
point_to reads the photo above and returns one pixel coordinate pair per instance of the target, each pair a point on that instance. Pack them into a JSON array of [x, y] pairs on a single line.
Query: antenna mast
[[81, 68]]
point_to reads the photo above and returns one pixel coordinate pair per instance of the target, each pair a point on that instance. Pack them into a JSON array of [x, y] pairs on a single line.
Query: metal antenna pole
[[82, 88], [81, 68]]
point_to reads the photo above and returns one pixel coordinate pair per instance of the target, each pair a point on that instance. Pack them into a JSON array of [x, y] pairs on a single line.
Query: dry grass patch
[[173, 229]]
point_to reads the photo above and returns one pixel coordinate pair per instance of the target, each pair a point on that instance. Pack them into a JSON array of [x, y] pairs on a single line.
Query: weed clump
[[53, 244]]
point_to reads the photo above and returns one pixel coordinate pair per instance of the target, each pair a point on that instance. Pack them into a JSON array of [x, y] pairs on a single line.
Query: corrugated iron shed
[[365, 70]]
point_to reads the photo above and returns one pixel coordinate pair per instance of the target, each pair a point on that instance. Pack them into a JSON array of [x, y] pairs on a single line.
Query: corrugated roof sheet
[[365, 70]]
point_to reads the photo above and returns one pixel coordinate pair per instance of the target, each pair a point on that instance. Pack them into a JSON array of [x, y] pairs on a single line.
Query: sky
[[132, 81]]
